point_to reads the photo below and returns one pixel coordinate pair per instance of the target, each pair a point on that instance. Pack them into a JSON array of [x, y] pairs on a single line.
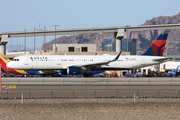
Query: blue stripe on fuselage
[[33, 72]]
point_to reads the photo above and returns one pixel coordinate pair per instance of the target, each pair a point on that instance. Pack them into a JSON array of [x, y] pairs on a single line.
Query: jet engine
[[72, 70]]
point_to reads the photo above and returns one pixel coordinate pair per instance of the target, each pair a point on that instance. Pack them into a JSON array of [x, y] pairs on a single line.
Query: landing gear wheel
[[90, 75], [53, 75], [86, 75]]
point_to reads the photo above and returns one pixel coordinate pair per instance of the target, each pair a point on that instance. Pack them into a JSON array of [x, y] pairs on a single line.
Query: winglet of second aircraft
[[117, 57]]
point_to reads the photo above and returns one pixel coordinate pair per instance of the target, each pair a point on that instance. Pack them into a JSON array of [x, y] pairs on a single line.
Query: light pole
[[55, 35], [127, 40], [127, 30], [114, 44], [44, 38], [17, 44], [11, 44], [34, 40], [91, 36], [102, 40], [25, 41], [75, 36]]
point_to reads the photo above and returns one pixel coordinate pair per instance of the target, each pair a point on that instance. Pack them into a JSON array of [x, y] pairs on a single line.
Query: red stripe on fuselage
[[3, 65]]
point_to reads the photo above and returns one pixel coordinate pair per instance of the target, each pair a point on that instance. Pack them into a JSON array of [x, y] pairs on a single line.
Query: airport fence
[[90, 88]]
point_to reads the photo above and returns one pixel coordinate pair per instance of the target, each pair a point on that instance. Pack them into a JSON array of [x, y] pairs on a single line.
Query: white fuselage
[[58, 62]]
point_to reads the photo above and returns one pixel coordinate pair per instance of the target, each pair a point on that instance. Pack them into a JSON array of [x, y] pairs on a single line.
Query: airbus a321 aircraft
[[52, 73], [78, 64]]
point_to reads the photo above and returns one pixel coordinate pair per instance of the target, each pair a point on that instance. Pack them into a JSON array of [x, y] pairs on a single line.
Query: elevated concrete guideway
[[88, 30], [119, 33]]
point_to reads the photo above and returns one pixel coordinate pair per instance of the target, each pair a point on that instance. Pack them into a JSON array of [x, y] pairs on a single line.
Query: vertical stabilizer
[[158, 46]]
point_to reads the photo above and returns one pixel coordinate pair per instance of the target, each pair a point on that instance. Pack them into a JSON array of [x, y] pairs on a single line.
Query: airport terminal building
[[75, 47]]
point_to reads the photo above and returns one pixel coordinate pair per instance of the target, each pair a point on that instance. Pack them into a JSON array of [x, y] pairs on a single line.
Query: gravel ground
[[91, 109]]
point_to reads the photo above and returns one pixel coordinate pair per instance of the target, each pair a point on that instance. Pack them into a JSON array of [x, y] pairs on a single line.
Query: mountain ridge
[[144, 38]]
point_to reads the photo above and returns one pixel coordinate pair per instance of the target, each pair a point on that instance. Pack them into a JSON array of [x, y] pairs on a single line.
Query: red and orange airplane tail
[[3, 63]]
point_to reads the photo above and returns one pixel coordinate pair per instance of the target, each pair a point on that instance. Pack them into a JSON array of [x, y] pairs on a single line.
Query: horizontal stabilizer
[[162, 59]]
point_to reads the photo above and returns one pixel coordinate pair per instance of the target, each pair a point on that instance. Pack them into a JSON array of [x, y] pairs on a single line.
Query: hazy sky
[[17, 15]]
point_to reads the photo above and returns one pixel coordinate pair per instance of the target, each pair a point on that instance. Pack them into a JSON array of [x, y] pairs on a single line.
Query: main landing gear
[[88, 75]]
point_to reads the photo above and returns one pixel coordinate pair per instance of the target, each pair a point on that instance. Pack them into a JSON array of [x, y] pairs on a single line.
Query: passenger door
[[58, 61], [26, 61], [142, 61]]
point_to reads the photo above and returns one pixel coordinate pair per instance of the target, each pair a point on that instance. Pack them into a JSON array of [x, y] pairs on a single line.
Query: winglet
[[117, 57]]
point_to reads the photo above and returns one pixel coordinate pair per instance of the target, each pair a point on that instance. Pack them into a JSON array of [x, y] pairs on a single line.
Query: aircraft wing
[[94, 64], [162, 59], [101, 63]]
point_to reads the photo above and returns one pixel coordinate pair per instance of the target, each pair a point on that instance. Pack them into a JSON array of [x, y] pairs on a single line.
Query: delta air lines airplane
[[86, 64], [52, 73]]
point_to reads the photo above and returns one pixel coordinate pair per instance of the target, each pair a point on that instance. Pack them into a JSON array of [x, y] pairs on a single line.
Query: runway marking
[[97, 81]]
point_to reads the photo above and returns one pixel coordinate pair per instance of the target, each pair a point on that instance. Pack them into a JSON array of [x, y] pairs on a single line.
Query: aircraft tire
[[86, 75], [90, 75]]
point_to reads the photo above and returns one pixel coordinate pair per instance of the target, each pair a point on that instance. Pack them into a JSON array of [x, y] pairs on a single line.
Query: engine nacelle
[[73, 70]]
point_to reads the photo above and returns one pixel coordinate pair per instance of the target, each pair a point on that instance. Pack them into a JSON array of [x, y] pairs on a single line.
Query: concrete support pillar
[[118, 45], [3, 42], [119, 35], [3, 49]]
